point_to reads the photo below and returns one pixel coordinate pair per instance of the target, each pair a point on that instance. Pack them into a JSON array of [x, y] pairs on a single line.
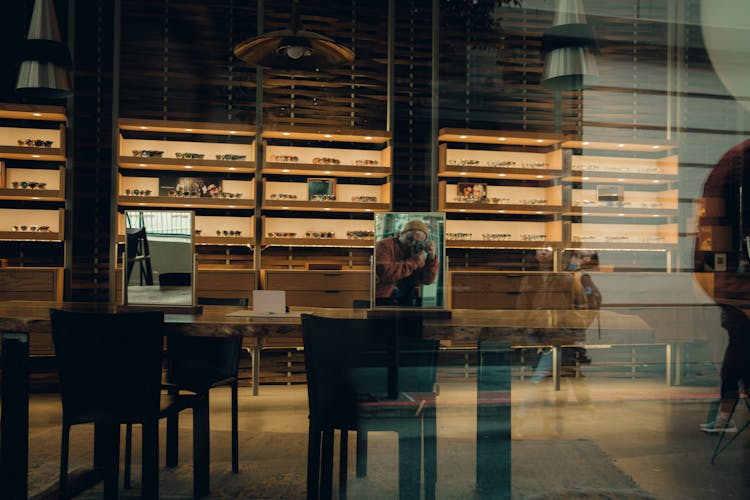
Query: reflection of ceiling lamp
[[568, 49], [293, 48], [46, 60]]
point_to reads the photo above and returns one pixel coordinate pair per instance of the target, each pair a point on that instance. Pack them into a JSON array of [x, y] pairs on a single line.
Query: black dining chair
[[197, 364], [350, 379], [110, 368]]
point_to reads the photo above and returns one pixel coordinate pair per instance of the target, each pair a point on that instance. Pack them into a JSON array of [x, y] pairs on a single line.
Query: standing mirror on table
[[159, 267], [409, 260]]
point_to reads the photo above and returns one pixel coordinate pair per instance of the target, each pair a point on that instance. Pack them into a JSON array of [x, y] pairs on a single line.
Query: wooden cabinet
[[206, 168], [501, 290], [621, 196], [32, 193], [319, 288], [500, 189]]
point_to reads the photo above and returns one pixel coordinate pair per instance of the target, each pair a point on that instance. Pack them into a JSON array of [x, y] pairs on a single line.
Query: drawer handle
[[513, 275], [513, 292], [332, 291], [331, 274]]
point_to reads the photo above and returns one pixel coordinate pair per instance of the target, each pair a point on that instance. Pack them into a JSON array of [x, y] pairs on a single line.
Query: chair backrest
[[346, 359], [395, 343], [109, 364], [196, 363], [331, 346]]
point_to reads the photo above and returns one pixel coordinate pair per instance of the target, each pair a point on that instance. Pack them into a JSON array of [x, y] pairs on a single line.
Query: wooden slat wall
[[91, 152], [412, 107], [177, 62]]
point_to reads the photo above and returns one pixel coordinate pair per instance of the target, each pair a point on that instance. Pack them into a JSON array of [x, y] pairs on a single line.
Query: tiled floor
[[644, 430]]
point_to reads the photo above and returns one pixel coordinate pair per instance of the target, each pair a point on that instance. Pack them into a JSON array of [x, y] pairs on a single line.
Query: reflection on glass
[[409, 257], [159, 257]]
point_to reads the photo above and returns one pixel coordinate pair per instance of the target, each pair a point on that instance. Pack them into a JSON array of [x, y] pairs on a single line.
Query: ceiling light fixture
[[293, 49], [568, 49], [44, 68]]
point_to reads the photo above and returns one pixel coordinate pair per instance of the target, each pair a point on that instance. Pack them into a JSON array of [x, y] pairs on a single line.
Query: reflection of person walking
[[404, 263], [735, 367]]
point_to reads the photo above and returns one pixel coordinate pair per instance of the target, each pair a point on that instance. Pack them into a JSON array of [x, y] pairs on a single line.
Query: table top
[[517, 326]]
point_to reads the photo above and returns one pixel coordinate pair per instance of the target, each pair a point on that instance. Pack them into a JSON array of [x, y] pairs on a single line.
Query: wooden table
[[521, 328]]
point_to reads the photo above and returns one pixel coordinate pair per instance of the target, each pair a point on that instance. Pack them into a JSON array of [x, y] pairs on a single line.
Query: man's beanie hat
[[416, 225]]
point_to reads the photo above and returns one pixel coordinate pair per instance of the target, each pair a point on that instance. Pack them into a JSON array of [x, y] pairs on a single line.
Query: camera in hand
[[418, 246]]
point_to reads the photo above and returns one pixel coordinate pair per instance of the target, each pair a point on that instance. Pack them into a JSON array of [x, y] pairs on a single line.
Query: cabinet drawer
[[225, 283], [320, 298], [31, 284], [512, 282], [317, 280]]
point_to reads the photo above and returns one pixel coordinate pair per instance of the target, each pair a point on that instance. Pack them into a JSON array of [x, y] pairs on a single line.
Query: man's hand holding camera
[[423, 250]]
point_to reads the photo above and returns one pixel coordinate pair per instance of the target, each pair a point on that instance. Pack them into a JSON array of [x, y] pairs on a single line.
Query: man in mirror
[[403, 264]]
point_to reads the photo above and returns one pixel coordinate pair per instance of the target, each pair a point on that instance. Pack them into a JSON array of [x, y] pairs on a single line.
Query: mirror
[[159, 259], [409, 260]]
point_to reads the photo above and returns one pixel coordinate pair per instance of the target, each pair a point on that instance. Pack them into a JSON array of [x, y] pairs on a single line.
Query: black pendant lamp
[[293, 49], [46, 60], [568, 48]]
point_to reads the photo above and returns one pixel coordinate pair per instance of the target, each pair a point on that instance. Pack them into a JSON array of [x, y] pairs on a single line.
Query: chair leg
[[326, 468], [313, 462], [128, 455], [64, 452], [201, 447], [409, 462], [361, 453], [235, 430], [173, 435], [343, 462], [109, 447], [150, 460], [429, 436]]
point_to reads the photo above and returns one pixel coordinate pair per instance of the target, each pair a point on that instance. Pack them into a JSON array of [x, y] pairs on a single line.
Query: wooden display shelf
[[292, 168], [224, 240], [328, 206], [504, 244], [33, 112], [500, 137], [32, 194], [32, 153], [185, 127], [604, 245], [627, 178], [174, 202], [31, 236], [617, 146], [483, 172], [620, 212], [333, 135], [180, 164], [319, 242], [504, 208]]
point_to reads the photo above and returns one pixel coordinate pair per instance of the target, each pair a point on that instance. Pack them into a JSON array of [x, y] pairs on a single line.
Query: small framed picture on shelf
[[720, 262], [321, 189], [190, 187], [610, 193], [471, 191]]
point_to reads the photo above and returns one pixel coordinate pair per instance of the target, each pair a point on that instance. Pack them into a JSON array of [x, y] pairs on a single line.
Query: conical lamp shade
[[44, 70], [569, 48], [570, 68], [291, 49]]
